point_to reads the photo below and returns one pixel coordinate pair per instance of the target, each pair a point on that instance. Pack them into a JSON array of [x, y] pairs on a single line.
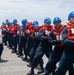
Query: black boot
[[24, 59], [41, 70], [19, 55], [29, 65], [13, 51], [31, 72], [28, 60]]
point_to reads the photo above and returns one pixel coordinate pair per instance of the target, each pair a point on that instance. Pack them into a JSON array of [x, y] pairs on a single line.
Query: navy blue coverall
[[66, 62], [43, 48], [22, 43], [55, 56], [36, 42]]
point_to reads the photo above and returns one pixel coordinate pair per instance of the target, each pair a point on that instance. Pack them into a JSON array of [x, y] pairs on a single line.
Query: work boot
[[13, 51], [21, 56], [41, 70], [31, 72], [29, 65], [28, 60], [24, 59], [17, 53]]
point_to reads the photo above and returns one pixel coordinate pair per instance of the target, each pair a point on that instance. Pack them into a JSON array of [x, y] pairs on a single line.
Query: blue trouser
[[15, 41], [1, 49], [33, 50], [11, 40], [5, 38], [39, 54], [66, 62], [18, 42], [22, 46], [53, 59], [29, 45]]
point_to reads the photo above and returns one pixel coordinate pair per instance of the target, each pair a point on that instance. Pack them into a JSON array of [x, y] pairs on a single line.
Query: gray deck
[[12, 65]]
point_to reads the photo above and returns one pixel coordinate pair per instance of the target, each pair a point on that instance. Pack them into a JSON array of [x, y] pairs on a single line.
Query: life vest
[[3, 28], [36, 31], [70, 31], [28, 28], [15, 27], [10, 28], [46, 30], [57, 34], [7, 27]]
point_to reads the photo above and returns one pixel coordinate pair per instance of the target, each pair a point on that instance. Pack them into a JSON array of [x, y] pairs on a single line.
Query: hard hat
[[3, 22], [15, 21], [47, 20], [56, 19], [24, 21], [35, 23], [71, 15], [10, 23], [7, 20]]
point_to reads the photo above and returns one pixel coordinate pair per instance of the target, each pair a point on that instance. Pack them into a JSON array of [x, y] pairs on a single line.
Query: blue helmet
[[56, 19], [71, 15], [24, 21], [10, 23], [15, 21], [3, 22], [35, 23], [7, 20], [47, 20]]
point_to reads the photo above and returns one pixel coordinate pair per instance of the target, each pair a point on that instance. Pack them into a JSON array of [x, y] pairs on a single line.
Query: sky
[[35, 10]]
